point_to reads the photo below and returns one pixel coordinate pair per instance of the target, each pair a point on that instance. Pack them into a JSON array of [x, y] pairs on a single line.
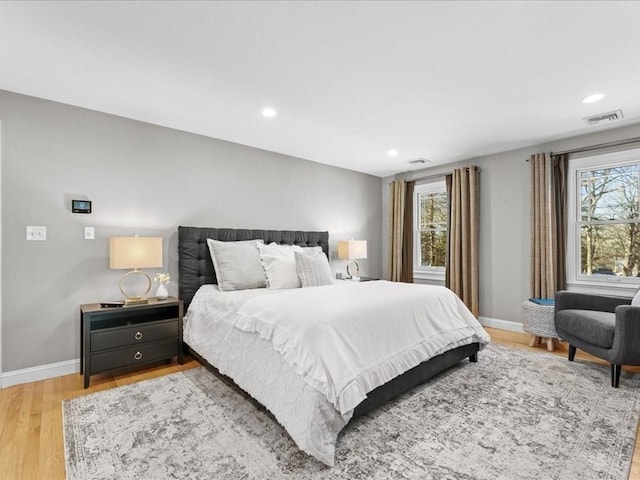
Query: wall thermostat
[[81, 206]]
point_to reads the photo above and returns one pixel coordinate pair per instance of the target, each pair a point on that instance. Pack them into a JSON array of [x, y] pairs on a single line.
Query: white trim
[[1, 383], [618, 290], [501, 324], [434, 275], [600, 284], [436, 185], [41, 372]]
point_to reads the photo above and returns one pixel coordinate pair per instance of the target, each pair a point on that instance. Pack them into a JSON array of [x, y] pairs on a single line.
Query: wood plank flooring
[[31, 438]]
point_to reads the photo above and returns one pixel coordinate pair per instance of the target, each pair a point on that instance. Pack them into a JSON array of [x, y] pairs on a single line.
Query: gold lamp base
[[133, 299]]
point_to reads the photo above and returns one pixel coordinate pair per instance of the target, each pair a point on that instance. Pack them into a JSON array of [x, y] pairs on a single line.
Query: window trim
[[437, 185], [575, 280]]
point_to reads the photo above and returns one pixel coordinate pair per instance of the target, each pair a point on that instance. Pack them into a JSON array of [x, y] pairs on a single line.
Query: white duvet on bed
[[340, 341], [258, 369]]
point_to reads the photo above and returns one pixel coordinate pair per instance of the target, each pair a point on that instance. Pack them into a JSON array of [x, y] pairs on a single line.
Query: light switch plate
[[89, 233], [36, 233]]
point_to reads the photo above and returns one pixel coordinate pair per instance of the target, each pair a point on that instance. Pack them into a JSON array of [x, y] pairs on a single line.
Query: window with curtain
[[431, 214], [604, 220]]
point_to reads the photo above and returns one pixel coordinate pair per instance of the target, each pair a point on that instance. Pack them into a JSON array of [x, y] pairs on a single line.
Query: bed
[[304, 387]]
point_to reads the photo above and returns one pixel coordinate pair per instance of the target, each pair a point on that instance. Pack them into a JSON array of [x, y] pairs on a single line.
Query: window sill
[[617, 288], [426, 275]]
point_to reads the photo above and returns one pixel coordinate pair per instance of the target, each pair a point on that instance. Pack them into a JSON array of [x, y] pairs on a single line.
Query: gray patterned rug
[[513, 415]]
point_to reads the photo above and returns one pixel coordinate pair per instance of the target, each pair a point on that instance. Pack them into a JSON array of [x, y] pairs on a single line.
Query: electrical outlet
[[38, 234], [89, 233]]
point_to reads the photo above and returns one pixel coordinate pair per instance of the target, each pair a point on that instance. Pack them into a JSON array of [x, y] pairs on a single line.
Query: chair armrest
[[626, 338], [565, 300]]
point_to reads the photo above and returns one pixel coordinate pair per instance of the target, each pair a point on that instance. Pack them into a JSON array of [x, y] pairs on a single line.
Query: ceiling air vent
[[601, 118], [419, 161]]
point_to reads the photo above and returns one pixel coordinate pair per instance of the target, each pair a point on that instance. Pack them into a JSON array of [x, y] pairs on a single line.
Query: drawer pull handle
[[138, 335], [138, 355]]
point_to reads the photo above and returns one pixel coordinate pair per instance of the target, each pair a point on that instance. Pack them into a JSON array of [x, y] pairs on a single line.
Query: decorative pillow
[[279, 265], [635, 301], [313, 269], [312, 250], [237, 264]]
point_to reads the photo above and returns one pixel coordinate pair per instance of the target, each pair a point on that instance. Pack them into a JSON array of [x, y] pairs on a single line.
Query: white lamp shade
[[352, 249], [135, 252]]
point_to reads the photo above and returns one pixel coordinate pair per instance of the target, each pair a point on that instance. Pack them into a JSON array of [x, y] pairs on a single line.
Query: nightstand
[[118, 337]]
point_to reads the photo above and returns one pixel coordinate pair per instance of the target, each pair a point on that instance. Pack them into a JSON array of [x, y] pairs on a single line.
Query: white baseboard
[[501, 324], [41, 372]]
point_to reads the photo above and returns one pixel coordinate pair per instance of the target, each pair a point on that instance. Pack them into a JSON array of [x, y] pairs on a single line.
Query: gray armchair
[[605, 326]]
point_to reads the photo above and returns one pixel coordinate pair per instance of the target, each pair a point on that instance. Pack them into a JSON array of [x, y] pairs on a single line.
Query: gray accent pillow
[[313, 269], [237, 264]]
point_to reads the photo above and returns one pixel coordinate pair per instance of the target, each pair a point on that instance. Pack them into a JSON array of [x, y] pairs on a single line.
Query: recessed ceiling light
[[393, 152], [596, 97], [268, 112]]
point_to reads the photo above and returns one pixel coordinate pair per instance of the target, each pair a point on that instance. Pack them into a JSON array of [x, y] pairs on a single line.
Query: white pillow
[[635, 301], [279, 265], [237, 264], [313, 269]]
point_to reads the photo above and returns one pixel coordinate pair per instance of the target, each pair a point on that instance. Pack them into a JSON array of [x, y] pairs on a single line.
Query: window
[[430, 211], [604, 216]]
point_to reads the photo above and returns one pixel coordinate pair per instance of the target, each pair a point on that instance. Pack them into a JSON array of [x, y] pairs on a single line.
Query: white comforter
[[335, 343]]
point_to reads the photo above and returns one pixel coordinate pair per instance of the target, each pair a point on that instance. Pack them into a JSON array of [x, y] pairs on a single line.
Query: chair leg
[[572, 353], [615, 375], [550, 344]]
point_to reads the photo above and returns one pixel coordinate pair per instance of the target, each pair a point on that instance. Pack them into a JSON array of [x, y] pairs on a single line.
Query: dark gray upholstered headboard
[[195, 267]]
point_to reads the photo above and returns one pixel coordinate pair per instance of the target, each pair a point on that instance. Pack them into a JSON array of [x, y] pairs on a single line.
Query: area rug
[[513, 415]]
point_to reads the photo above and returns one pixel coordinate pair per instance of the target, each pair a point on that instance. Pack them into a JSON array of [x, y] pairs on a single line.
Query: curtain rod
[[599, 146], [428, 177]]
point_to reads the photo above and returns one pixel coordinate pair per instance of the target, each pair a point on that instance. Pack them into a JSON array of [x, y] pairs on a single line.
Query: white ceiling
[[350, 80]]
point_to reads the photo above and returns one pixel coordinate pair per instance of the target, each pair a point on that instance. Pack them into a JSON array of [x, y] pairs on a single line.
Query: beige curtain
[[462, 263], [401, 231], [396, 223], [548, 224]]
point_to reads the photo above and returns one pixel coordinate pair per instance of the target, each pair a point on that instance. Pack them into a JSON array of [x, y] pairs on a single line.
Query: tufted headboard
[[195, 267]]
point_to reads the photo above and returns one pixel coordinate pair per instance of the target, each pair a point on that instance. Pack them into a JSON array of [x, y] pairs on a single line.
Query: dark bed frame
[[195, 268]]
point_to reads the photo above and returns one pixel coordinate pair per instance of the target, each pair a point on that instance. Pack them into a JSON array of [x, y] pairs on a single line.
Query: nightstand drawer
[[122, 337], [125, 357]]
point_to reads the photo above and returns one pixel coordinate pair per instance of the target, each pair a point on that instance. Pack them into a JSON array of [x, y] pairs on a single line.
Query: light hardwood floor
[[31, 441]]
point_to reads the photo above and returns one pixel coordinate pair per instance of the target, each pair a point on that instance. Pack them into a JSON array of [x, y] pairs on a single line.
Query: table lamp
[[135, 253], [352, 250]]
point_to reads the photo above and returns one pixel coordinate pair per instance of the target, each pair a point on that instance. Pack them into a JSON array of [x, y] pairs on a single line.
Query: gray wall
[[504, 219], [142, 179]]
